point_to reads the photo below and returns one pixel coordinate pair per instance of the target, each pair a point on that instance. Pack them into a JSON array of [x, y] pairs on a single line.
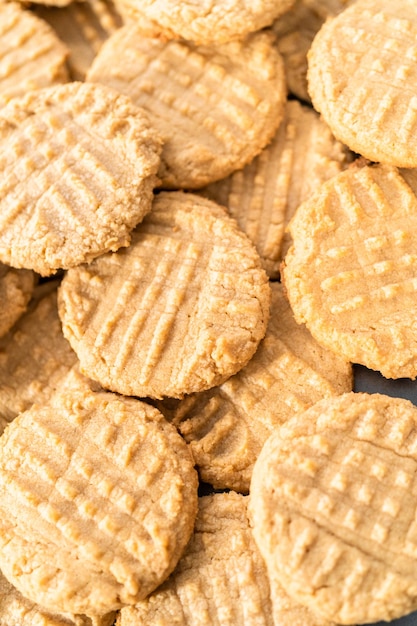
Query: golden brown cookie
[[83, 27], [34, 357], [333, 507], [78, 165], [351, 272], [16, 288], [362, 78], [206, 21], [32, 55], [264, 195], [295, 31], [216, 106], [180, 310], [227, 426], [16, 610], [221, 578], [98, 497]]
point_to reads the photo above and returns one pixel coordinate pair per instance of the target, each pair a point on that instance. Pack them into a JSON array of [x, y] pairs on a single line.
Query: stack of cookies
[[208, 221]]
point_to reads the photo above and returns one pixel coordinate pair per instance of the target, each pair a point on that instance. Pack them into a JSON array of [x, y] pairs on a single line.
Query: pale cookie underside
[[363, 76], [333, 509], [215, 106], [16, 288], [180, 310], [34, 358], [83, 27], [77, 171], [227, 426], [207, 21], [352, 279], [102, 504], [32, 55], [265, 194]]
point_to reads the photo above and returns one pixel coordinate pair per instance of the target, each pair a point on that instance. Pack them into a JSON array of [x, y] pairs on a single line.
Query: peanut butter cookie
[[16, 288], [215, 106], [34, 357], [206, 21], [180, 310], [333, 507], [78, 166], [83, 27], [362, 78], [98, 497], [350, 274], [32, 55], [264, 195]]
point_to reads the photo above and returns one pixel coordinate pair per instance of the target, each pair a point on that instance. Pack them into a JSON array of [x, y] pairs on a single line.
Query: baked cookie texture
[[333, 509], [220, 579], [16, 289], [180, 310], [32, 55], [78, 166], [264, 195], [34, 356], [227, 426], [98, 498], [362, 72], [295, 31], [350, 274], [82, 27], [216, 106], [16, 610], [206, 21]]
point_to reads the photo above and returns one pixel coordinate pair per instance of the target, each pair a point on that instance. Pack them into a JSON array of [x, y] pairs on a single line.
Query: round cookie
[[215, 106], [333, 507], [264, 195], [206, 21], [32, 55], [180, 310], [362, 78], [227, 426], [78, 166], [350, 274], [16, 288], [98, 498]]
